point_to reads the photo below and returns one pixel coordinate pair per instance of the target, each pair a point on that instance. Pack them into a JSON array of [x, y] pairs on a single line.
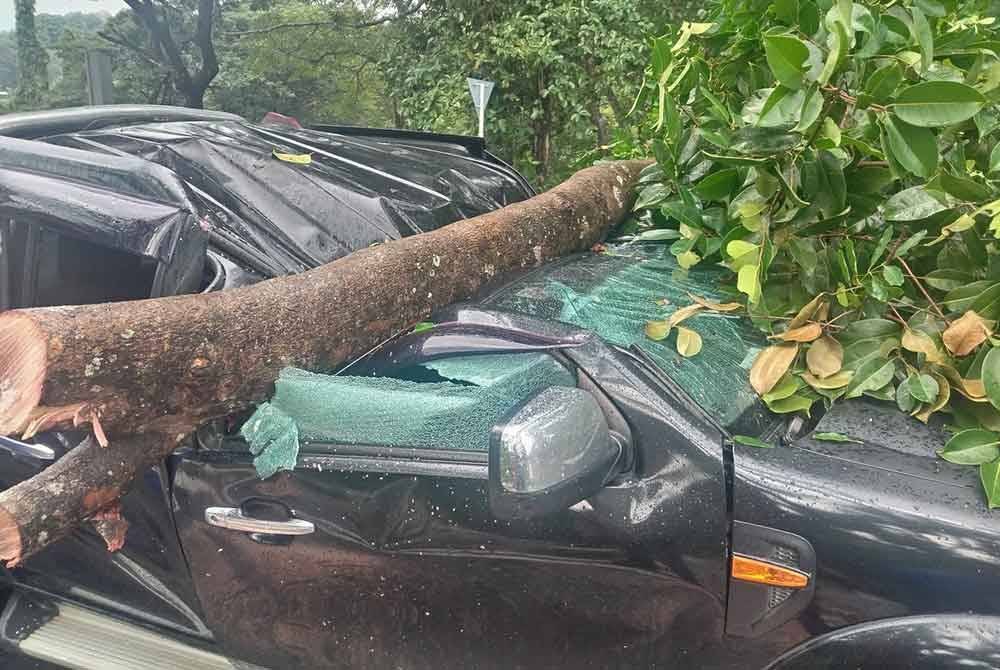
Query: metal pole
[[482, 110]]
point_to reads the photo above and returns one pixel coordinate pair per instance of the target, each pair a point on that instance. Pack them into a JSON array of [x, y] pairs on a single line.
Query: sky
[[58, 7]]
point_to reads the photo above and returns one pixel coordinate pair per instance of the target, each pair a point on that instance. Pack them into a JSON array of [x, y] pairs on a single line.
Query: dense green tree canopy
[[840, 158]]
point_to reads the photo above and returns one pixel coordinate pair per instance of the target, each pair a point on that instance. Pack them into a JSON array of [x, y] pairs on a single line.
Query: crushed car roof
[[272, 217]]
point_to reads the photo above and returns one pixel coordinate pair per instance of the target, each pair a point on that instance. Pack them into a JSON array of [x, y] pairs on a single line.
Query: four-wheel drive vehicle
[[531, 483]]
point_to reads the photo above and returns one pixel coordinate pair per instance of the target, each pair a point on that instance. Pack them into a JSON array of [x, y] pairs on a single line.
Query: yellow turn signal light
[[755, 570]]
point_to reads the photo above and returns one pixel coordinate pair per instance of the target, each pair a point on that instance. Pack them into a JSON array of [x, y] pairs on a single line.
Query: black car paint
[[632, 577], [410, 569]]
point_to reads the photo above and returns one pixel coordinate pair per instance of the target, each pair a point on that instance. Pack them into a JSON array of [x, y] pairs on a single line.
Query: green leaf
[[840, 44], [812, 107], [748, 441], [893, 275], [761, 140], [991, 376], [795, 403], [925, 38], [423, 326], [718, 185], [947, 280], [912, 204], [651, 196], [787, 11], [922, 387], [904, 399], [869, 328], [938, 103], [846, 9], [786, 56], [964, 188], [785, 387], [995, 159], [870, 376], [883, 82], [974, 446], [913, 147], [961, 299], [912, 241], [748, 281], [989, 475], [834, 437], [881, 246]]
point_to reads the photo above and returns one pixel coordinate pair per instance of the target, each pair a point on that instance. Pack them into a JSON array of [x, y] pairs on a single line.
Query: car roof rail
[[32, 125]]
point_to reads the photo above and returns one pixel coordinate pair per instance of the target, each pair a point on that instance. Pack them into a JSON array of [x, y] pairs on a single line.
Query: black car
[[530, 482]]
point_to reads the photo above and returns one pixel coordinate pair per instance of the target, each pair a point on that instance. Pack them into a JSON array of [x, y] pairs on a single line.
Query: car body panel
[[936, 642], [892, 537], [631, 577]]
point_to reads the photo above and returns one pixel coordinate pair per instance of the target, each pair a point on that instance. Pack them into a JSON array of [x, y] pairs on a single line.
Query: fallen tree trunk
[[147, 373]]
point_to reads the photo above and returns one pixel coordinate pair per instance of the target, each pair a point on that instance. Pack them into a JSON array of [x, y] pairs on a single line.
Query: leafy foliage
[[564, 72], [840, 159], [32, 75]]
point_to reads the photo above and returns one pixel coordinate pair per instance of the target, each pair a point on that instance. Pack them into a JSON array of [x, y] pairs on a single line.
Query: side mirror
[[551, 453]]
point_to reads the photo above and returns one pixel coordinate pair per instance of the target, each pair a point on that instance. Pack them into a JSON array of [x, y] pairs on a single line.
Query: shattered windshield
[[614, 295]]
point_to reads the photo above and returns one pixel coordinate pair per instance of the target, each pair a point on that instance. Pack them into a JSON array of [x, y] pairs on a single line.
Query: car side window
[[446, 404]]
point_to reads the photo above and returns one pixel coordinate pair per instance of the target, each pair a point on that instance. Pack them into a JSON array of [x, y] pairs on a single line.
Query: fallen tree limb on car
[[146, 373]]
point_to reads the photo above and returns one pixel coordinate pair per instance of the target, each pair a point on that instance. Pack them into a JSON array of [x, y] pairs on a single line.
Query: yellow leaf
[[717, 306], [688, 259], [921, 343], [688, 342], [681, 314], [943, 396], [965, 334], [298, 159], [738, 248], [825, 357], [973, 389], [834, 381], [771, 364], [964, 222], [657, 330], [748, 282], [807, 312], [806, 333]]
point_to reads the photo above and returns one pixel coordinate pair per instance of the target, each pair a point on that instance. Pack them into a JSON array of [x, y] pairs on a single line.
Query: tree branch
[[134, 48], [333, 23]]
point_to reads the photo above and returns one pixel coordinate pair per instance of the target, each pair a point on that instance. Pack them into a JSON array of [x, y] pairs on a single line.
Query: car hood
[[888, 439]]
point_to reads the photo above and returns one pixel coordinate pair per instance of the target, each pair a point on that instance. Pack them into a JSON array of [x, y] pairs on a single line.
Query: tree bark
[[148, 373], [191, 85], [600, 126]]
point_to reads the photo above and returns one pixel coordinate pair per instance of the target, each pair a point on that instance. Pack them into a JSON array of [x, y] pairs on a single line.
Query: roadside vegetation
[[841, 160]]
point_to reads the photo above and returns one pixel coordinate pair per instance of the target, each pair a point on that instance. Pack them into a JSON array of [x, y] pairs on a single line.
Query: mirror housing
[[549, 454]]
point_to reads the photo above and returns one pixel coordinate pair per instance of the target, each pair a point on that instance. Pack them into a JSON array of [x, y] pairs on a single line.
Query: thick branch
[[203, 39], [159, 31], [159, 368]]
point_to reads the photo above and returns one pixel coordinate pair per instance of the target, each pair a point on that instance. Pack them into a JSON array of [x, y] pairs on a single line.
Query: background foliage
[[841, 159], [565, 69]]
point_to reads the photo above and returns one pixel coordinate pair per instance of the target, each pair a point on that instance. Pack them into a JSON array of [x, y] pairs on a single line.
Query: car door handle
[[234, 519]]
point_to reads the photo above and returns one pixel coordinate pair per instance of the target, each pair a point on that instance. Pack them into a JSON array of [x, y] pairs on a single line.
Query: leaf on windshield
[[748, 441], [297, 159], [771, 364], [835, 437]]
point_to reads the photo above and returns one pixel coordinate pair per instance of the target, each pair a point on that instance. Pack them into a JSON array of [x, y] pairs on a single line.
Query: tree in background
[[32, 61], [179, 42], [315, 62], [561, 67]]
